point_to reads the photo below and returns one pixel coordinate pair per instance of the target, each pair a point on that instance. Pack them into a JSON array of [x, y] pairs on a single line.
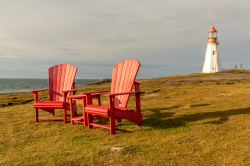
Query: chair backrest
[[123, 77], [61, 77]]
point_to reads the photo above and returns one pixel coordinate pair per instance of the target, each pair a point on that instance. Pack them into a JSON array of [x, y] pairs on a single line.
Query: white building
[[212, 62]]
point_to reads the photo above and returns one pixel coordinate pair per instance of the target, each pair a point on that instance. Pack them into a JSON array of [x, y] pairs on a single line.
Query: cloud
[[168, 35], [9, 56]]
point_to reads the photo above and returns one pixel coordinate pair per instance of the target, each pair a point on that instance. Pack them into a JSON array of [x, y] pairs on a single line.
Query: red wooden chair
[[123, 79], [61, 83]]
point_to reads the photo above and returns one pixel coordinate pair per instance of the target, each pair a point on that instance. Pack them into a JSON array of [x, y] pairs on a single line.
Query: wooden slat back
[[123, 77], [61, 77]]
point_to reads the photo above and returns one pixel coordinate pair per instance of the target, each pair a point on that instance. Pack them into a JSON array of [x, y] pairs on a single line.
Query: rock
[[116, 148]]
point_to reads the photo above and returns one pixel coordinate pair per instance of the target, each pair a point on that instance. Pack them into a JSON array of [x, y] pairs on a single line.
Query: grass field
[[197, 119]]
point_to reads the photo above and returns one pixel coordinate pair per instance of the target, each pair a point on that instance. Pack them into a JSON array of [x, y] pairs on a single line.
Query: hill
[[196, 119]]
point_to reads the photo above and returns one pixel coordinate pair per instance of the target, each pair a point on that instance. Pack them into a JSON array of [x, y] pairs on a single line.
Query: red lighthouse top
[[212, 35], [212, 29]]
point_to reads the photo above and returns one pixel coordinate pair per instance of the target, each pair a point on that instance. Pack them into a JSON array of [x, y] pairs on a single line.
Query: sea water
[[16, 85]]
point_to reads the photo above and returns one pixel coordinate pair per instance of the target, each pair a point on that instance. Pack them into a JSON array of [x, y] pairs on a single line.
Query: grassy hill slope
[[197, 119]]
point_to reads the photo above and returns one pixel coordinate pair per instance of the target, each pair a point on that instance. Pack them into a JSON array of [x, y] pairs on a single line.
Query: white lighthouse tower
[[212, 63]]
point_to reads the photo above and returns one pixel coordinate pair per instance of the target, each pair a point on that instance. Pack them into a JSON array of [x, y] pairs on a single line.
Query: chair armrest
[[123, 93], [35, 93], [37, 90], [94, 92]]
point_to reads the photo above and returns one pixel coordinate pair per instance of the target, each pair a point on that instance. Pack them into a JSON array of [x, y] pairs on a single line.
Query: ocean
[[8, 85]]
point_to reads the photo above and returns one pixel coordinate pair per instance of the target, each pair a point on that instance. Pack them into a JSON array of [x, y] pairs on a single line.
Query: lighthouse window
[[213, 52]]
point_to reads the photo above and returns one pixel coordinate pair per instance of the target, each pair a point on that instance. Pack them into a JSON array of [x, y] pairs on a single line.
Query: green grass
[[188, 122]]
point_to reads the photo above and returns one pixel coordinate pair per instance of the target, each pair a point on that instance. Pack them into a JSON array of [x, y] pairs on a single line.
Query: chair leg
[[71, 111], [65, 115], [74, 109], [139, 123], [85, 117], [53, 112], [36, 114], [90, 120], [99, 100], [112, 125]]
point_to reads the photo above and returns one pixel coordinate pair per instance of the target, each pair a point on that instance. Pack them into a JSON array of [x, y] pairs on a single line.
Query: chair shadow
[[157, 119], [164, 108], [158, 114]]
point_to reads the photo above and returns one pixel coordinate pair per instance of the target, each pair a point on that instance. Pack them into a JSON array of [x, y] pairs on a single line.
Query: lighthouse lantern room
[[211, 63]]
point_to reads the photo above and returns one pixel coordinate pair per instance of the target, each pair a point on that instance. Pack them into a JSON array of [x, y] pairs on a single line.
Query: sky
[[168, 37]]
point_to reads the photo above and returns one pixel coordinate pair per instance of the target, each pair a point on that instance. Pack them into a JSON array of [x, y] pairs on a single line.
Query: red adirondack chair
[[123, 79], [61, 83]]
